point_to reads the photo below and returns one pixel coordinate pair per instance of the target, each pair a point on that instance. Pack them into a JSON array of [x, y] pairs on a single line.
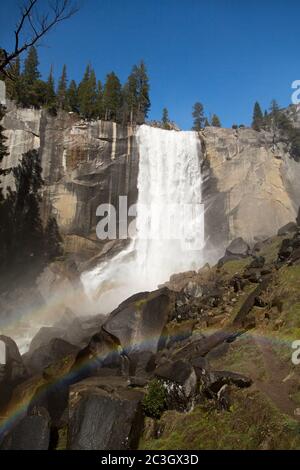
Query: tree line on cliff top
[[91, 99]]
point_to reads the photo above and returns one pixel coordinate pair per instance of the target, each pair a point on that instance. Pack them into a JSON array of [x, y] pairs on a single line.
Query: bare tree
[[36, 24]]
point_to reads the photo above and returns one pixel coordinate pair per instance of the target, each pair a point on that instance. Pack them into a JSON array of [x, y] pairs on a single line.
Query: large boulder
[[104, 414], [140, 320], [30, 433], [12, 372], [180, 382], [103, 350], [239, 248], [48, 354]]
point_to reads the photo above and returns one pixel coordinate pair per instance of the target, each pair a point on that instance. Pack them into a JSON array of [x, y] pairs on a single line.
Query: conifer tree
[[12, 81], [62, 100], [51, 96], [143, 99], [165, 119], [215, 121], [258, 119], [136, 101], [99, 100], [130, 99], [112, 98], [31, 72], [29, 95], [72, 96], [198, 116], [87, 94]]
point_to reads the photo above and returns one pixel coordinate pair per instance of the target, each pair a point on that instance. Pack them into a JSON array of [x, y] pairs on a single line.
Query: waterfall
[[169, 219]]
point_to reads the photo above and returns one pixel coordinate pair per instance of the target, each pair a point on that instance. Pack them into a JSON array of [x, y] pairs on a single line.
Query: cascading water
[[169, 224]]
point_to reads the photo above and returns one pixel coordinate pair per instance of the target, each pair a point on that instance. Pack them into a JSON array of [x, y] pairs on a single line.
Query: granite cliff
[[250, 180]]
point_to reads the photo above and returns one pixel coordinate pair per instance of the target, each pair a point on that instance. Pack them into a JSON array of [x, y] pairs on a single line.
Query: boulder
[[257, 263], [48, 354], [104, 414], [30, 433], [213, 381], [103, 350], [139, 322], [250, 301], [291, 227], [238, 248], [44, 336], [180, 381], [12, 372]]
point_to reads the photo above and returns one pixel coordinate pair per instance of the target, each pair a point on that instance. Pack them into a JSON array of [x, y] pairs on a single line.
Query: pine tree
[[30, 92], [258, 119], [62, 100], [143, 99], [12, 81], [72, 96], [53, 240], [215, 121], [136, 101], [130, 99], [198, 116], [165, 119], [99, 100], [31, 72], [51, 96], [112, 98], [87, 94]]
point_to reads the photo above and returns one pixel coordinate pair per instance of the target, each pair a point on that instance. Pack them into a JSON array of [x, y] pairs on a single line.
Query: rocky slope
[[202, 363], [250, 181]]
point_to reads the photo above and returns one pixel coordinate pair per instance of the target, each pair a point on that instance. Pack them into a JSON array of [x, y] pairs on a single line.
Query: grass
[[252, 423]]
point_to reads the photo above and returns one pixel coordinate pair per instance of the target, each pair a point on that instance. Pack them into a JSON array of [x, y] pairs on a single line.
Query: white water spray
[[169, 224]]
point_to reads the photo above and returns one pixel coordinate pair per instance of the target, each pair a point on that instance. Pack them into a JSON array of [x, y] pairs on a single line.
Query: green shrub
[[154, 402]]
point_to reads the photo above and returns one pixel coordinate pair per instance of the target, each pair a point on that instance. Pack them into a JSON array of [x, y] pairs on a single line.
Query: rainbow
[[75, 374]]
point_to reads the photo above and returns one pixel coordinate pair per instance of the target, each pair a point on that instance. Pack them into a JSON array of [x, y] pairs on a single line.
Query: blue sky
[[224, 53]]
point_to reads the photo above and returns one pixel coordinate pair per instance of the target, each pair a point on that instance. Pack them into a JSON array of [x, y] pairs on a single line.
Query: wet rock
[[238, 248], [44, 336], [211, 382], [250, 302], [13, 371], [291, 227], [48, 354], [31, 433], [180, 382], [139, 322], [141, 363], [104, 414], [193, 289], [103, 350]]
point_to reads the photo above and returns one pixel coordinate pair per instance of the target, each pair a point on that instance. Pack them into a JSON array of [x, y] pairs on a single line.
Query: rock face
[[84, 165], [31, 433], [250, 186], [104, 416]]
